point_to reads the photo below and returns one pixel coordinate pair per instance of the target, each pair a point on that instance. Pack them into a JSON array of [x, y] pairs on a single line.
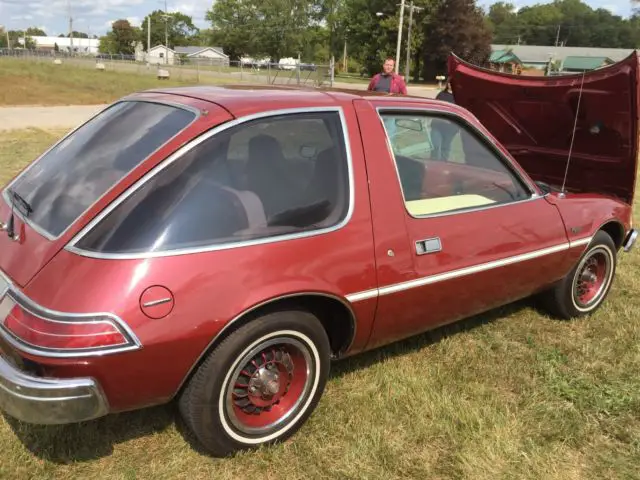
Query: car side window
[[443, 166], [264, 178]]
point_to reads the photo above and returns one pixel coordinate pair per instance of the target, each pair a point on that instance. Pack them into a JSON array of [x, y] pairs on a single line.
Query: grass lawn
[[43, 83], [509, 394]]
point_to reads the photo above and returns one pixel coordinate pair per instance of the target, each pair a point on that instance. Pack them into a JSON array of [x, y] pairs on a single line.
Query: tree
[[180, 28], [35, 32], [275, 28], [456, 26], [19, 39], [121, 39], [567, 22]]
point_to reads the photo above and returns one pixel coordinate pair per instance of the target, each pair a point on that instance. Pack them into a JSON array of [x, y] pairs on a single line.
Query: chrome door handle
[[430, 245]]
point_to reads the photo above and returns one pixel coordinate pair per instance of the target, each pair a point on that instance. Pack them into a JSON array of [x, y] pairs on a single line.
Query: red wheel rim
[[592, 277], [268, 385]]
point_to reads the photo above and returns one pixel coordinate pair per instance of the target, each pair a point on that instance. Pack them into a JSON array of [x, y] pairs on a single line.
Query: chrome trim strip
[[470, 270], [157, 302], [430, 279], [429, 109], [579, 242], [64, 317], [228, 325], [71, 246], [48, 235], [366, 295]]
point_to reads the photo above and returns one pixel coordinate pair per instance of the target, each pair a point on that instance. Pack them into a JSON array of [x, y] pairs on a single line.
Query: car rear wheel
[[587, 285], [259, 385]]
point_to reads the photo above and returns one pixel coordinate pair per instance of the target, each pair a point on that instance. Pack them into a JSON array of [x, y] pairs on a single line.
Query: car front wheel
[[259, 385], [587, 285]]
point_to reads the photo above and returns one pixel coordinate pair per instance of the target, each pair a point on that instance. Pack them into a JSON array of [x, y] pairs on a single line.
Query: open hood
[[533, 117]]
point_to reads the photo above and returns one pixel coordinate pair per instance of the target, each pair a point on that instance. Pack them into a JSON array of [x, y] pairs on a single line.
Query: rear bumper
[[49, 401], [630, 240]]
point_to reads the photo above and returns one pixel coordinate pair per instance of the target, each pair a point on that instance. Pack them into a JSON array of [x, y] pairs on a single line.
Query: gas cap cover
[[156, 302]]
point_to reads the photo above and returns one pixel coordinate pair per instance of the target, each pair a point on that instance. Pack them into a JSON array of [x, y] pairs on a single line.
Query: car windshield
[[74, 174]]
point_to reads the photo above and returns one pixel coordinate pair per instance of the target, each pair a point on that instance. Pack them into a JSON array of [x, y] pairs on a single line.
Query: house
[[161, 55], [505, 61], [582, 64], [203, 55], [539, 56]]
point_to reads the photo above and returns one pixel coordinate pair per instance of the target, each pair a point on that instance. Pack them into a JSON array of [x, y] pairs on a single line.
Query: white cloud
[[611, 7]]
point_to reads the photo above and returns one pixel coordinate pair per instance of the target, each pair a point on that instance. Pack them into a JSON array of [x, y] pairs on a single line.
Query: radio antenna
[[573, 135]]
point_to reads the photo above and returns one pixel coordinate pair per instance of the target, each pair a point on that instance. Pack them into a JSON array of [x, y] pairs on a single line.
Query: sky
[[95, 17]]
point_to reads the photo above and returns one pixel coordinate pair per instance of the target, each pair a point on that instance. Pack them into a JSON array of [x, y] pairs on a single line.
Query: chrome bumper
[[630, 240], [49, 401]]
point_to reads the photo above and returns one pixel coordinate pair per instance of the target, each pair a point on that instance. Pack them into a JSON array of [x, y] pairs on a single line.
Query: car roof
[[241, 100]]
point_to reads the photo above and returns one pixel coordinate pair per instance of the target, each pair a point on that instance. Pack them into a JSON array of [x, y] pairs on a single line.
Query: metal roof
[[585, 63], [191, 50], [503, 56], [541, 54]]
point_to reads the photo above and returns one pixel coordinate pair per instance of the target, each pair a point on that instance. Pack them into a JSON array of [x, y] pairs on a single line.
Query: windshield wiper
[[23, 205]]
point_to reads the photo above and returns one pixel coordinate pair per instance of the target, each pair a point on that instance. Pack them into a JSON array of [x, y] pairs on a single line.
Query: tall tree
[[456, 26], [121, 39], [180, 28], [35, 32], [20, 39], [567, 22], [274, 28]]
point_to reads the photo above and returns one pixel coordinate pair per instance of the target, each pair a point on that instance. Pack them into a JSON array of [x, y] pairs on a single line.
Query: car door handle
[[429, 245]]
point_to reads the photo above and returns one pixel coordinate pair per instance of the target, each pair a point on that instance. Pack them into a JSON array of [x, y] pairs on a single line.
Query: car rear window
[[265, 178], [75, 173]]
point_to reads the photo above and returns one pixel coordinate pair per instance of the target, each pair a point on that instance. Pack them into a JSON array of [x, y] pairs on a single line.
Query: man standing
[[388, 81]]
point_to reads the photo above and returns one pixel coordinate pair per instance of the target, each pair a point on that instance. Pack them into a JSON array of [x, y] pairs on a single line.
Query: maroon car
[[219, 246]]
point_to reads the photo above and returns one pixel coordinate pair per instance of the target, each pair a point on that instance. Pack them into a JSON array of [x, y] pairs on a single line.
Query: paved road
[[46, 117]]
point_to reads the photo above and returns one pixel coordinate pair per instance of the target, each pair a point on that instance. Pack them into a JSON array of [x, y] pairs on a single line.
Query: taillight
[[62, 334]]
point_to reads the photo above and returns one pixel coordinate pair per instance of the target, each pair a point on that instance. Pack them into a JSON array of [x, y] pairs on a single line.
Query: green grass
[[43, 83], [509, 394]]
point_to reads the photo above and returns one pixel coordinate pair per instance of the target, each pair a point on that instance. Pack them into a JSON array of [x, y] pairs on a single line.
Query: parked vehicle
[[219, 246]]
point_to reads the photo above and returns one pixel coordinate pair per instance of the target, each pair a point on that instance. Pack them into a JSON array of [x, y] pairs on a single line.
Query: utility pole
[[399, 36], [70, 28], [344, 56], [412, 7], [148, 35], [558, 36], [166, 34]]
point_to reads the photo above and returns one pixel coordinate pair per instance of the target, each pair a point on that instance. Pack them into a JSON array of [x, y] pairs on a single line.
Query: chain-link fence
[[198, 69]]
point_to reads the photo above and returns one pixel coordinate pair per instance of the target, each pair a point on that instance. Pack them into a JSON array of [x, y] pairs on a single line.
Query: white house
[[161, 55], [204, 55]]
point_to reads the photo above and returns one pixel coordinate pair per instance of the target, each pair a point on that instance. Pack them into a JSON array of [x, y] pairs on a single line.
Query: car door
[[458, 229]]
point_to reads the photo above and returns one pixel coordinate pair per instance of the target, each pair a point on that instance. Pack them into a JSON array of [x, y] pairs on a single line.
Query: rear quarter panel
[[210, 289]]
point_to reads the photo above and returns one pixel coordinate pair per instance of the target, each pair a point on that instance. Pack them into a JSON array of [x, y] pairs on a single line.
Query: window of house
[[269, 177], [445, 166]]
